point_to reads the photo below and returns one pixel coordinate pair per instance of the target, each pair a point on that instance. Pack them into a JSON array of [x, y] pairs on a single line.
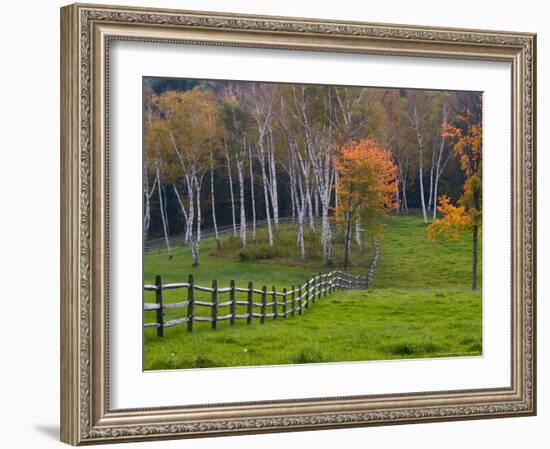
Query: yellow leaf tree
[[465, 137]]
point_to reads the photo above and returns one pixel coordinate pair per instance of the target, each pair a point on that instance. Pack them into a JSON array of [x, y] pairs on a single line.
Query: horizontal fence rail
[[259, 303]]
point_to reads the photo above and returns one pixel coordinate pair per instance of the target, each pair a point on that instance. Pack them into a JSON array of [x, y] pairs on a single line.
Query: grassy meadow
[[420, 304]]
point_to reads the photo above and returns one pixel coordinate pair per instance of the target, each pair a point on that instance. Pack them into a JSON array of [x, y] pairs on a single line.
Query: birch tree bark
[[148, 194], [163, 215], [358, 234], [232, 196], [261, 103], [273, 178], [416, 122], [440, 164], [183, 211], [252, 195], [213, 199], [240, 164]]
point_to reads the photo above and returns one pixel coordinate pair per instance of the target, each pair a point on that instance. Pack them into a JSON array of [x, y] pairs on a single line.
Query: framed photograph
[[279, 224]]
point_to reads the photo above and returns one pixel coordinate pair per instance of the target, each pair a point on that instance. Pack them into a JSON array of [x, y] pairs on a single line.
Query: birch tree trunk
[[148, 194], [300, 209], [310, 207], [430, 195], [273, 180], [228, 159], [252, 194], [241, 197], [358, 234], [191, 214], [420, 165], [347, 241], [163, 214], [266, 194], [403, 175], [213, 197], [183, 209], [196, 239], [439, 167]]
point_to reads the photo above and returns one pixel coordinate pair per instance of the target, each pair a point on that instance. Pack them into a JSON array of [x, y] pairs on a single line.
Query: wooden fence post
[[307, 293], [232, 304], [250, 306], [160, 310], [190, 302], [264, 294], [214, 314], [293, 301], [320, 286], [284, 302], [300, 300], [325, 284], [274, 308]]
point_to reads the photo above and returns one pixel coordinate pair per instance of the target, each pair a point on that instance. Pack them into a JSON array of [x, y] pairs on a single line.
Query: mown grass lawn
[[420, 305]]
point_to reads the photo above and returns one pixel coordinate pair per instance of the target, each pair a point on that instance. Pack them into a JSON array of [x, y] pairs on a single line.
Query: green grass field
[[420, 304]]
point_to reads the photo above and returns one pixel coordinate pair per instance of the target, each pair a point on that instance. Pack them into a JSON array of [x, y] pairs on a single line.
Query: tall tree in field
[[315, 110], [418, 110], [298, 166], [237, 122], [465, 136], [148, 167], [259, 100], [195, 130], [367, 183]]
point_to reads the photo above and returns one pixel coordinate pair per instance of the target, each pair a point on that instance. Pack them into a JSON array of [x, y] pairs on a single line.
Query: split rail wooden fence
[[260, 304]]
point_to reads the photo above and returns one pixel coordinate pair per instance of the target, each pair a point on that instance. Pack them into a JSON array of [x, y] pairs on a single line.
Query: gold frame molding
[[86, 31]]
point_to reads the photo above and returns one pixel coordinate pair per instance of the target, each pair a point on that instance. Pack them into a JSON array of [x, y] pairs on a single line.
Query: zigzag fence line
[[281, 304]]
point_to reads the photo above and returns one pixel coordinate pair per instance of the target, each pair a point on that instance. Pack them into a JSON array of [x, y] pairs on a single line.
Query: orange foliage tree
[[466, 140], [367, 186]]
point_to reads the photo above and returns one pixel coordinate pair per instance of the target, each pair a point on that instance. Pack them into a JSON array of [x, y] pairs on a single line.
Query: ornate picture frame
[[87, 32]]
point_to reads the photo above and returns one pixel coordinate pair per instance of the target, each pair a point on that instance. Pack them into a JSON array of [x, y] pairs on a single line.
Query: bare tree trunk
[[475, 232], [358, 234], [196, 240], [420, 165], [316, 204], [336, 192], [163, 214], [347, 241], [182, 207], [213, 197], [191, 213], [266, 194], [252, 194], [430, 195], [310, 207], [148, 194], [292, 195], [300, 209], [241, 197], [439, 168], [273, 180], [403, 173], [228, 159]]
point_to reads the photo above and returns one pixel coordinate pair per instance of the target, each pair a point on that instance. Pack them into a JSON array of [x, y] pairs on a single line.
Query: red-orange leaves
[[367, 180]]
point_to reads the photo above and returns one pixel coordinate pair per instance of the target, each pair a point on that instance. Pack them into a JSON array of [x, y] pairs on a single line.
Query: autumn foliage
[[366, 185], [454, 223], [465, 137]]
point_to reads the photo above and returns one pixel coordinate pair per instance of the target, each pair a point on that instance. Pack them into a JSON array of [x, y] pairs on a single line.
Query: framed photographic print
[[280, 224]]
